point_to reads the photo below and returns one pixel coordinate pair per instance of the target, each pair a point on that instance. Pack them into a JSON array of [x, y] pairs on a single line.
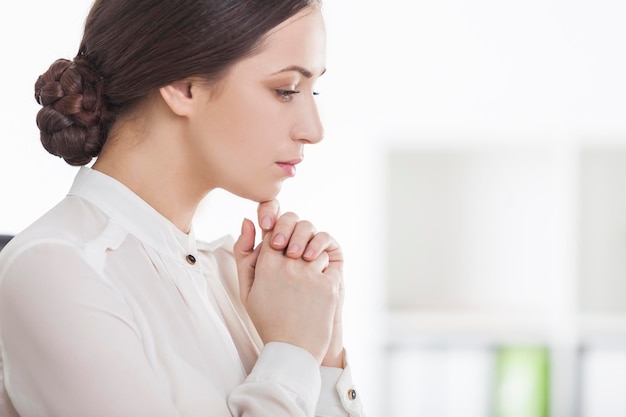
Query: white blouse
[[103, 313]]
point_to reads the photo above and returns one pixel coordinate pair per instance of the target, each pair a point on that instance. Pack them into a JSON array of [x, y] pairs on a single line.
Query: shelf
[[603, 230], [602, 330], [490, 248]]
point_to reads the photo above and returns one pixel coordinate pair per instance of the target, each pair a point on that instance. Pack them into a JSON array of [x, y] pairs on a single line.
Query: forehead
[[300, 41]]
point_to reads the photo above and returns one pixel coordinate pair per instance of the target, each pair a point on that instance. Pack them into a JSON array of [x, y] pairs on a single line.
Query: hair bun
[[73, 116]]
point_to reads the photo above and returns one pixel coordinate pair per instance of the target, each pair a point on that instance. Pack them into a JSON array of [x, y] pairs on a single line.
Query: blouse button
[[191, 259], [352, 394]]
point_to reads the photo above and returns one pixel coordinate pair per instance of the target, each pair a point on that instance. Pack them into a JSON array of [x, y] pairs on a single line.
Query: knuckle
[[324, 258], [325, 236], [268, 205], [291, 216], [335, 279], [291, 268], [329, 283], [306, 225]]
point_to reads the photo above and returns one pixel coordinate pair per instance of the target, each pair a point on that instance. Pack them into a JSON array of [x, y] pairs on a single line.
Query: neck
[[153, 166]]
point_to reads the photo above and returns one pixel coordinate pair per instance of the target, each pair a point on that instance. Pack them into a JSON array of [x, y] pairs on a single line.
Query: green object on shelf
[[522, 382]]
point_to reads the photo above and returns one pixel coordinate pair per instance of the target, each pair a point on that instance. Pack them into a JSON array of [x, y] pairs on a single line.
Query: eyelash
[[286, 95]]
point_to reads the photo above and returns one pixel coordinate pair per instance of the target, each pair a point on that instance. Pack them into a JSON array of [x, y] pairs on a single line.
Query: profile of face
[[250, 130]]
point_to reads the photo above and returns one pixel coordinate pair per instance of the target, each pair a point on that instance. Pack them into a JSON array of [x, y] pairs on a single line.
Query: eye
[[286, 95]]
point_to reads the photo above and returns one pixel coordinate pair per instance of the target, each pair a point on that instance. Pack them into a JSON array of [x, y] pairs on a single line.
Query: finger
[[321, 263], [323, 242], [283, 229], [268, 212], [266, 252], [302, 234], [245, 257], [245, 243]]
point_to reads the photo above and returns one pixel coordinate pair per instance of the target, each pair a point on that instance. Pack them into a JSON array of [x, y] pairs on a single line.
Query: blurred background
[[474, 171]]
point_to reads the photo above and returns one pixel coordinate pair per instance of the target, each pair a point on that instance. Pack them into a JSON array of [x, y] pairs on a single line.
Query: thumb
[[245, 257], [245, 243]]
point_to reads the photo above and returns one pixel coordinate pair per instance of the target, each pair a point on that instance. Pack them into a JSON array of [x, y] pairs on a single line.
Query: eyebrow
[[301, 70]]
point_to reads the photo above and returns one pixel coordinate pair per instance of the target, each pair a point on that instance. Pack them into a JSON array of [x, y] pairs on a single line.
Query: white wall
[[401, 73]]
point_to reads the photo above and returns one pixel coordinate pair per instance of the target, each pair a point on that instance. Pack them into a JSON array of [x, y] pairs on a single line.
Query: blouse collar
[[130, 211]]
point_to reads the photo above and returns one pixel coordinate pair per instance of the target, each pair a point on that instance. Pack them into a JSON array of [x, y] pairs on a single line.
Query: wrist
[[335, 359]]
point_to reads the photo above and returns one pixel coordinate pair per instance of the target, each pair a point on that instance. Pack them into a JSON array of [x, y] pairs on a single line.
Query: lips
[[289, 167], [295, 161]]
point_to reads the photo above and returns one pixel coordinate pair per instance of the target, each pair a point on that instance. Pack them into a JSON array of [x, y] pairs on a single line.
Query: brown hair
[[130, 48]]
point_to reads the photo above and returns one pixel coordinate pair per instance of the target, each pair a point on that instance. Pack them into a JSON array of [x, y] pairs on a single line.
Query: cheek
[[260, 117], [255, 106], [242, 130], [255, 129]]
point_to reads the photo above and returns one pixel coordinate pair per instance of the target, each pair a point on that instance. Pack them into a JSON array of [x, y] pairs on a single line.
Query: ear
[[178, 97]]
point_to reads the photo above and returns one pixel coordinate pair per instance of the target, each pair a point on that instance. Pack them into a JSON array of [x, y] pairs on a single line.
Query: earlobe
[[178, 97]]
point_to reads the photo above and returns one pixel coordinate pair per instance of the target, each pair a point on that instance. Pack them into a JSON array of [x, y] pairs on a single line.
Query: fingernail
[[279, 239], [266, 222], [308, 253], [293, 248]]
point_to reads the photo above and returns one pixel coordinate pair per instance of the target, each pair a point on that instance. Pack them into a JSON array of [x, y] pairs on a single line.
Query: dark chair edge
[[4, 239]]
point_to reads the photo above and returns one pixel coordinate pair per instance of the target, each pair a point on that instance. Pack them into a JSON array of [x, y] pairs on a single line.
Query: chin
[[259, 194]]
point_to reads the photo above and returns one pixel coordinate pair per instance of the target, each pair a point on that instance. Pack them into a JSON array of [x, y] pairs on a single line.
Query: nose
[[307, 126]]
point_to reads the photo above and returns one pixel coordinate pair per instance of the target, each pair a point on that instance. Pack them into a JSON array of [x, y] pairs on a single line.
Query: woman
[[108, 305]]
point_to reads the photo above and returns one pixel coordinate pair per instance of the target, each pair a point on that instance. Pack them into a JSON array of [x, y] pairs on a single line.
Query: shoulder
[[72, 221], [66, 229]]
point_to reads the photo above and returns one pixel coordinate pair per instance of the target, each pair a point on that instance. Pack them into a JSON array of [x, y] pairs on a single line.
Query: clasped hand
[[292, 283]]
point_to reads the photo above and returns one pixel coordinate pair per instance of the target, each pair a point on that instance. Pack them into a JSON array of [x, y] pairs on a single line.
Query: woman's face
[[253, 126]]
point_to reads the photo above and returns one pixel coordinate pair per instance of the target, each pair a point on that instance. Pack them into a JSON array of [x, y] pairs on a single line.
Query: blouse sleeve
[[338, 396], [286, 370], [69, 344]]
